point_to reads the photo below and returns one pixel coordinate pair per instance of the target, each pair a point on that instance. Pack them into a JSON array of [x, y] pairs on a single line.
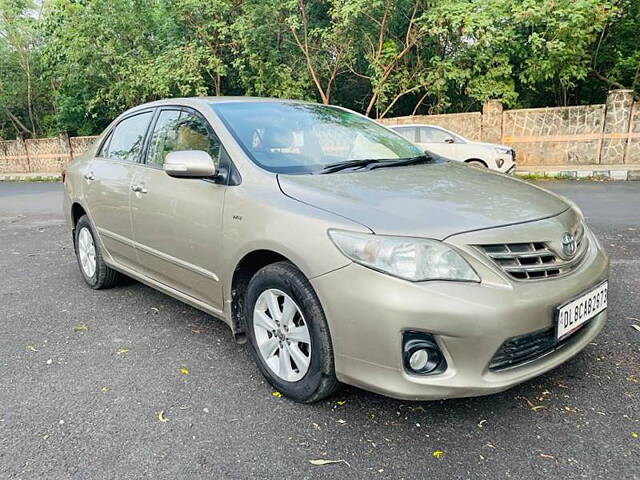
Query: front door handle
[[138, 189], [89, 176]]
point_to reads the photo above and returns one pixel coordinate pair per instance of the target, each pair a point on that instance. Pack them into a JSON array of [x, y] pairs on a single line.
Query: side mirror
[[189, 163], [448, 140]]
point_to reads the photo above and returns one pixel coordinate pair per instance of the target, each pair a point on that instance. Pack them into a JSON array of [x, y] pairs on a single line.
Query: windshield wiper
[[336, 167], [405, 161]]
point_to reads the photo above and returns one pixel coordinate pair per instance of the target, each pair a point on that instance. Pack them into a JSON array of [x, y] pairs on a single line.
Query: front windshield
[[289, 137]]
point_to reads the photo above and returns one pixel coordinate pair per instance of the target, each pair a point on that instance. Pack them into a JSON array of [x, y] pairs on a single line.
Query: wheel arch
[[469, 160], [77, 211], [244, 271]]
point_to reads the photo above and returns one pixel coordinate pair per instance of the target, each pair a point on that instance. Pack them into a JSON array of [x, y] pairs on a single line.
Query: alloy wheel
[[87, 252], [282, 335]]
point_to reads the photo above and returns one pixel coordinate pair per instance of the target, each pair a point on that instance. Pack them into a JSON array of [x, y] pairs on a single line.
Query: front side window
[[285, 137], [128, 137], [181, 130]]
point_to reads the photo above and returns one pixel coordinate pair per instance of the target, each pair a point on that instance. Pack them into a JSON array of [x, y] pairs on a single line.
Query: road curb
[[586, 174], [30, 177]]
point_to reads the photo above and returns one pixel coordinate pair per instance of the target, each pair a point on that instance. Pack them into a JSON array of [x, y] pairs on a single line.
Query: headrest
[[277, 137]]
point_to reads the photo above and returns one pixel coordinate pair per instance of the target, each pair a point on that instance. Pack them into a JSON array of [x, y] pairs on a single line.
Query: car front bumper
[[368, 312], [508, 163]]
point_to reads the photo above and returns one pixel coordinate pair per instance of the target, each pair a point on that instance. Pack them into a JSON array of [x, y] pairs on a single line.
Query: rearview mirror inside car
[[189, 163], [448, 140]]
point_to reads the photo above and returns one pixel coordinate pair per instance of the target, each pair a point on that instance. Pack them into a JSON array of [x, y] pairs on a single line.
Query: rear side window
[[407, 132], [128, 137], [181, 130], [433, 135]]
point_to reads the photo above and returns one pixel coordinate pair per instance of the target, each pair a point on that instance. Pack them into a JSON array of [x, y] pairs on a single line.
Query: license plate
[[575, 313]]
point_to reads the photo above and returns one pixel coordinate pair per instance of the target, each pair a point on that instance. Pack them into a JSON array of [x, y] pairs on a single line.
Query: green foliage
[[75, 64]]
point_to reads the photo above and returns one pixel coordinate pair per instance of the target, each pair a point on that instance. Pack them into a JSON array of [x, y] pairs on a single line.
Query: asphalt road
[[85, 374]]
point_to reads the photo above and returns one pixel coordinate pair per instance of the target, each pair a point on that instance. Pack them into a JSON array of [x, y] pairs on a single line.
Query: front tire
[[289, 335], [476, 163], [95, 272]]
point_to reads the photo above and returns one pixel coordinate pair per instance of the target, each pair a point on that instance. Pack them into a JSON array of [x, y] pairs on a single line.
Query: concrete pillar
[[23, 152], [65, 150], [616, 126], [492, 121]]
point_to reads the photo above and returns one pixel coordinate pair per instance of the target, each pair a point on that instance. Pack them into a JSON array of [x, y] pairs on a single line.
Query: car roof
[[205, 101], [416, 125]]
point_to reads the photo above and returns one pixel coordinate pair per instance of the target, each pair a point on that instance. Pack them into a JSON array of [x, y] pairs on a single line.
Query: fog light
[[418, 359], [421, 354]]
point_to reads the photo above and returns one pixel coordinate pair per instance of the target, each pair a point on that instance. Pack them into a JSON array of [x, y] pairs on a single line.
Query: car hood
[[432, 201]]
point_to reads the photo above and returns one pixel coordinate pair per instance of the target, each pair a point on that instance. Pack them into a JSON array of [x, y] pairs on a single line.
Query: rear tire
[[95, 272], [289, 335]]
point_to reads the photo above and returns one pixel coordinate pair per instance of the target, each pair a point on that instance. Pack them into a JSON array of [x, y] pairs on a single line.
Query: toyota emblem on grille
[[568, 245]]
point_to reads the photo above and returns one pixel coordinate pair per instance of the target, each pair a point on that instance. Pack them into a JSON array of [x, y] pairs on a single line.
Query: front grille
[[526, 348], [535, 260]]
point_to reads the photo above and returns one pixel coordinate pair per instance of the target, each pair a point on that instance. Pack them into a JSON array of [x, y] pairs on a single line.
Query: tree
[[19, 60], [75, 64]]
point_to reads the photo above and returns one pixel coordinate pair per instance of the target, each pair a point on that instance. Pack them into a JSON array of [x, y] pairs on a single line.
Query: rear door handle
[[138, 189], [89, 176]]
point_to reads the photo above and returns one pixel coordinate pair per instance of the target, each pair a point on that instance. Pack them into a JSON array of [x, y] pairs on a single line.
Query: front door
[[438, 141], [177, 221], [106, 186]]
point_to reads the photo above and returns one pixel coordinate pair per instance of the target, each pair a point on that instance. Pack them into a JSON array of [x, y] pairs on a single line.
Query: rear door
[[177, 221], [107, 186]]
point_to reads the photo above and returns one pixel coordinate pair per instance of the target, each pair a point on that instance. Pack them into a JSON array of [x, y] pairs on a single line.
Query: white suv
[[451, 145]]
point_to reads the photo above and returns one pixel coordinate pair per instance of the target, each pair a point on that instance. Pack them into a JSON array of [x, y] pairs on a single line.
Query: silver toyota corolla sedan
[[337, 248]]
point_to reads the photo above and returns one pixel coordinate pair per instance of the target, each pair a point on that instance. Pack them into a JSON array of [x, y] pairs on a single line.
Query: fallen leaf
[[276, 394], [481, 422], [531, 406], [80, 328], [161, 416], [44, 437], [49, 362], [341, 402], [437, 453], [636, 326], [122, 351], [543, 455], [321, 462], [184, 371], [341, 421], [32, 348], [105, 389], [634, 435]]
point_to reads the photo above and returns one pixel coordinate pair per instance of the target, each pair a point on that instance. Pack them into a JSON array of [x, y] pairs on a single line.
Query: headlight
[[412, 259], [503, 150]]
